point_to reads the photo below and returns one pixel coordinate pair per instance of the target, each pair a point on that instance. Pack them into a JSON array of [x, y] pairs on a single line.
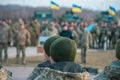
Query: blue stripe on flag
[[53, 3], [112, 8], [76, 6]]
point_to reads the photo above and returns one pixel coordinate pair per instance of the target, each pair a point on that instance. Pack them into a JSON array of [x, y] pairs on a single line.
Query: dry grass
[[96, 59]]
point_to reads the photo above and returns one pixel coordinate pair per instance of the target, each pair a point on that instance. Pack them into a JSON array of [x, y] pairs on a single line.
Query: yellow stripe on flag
[[54, 7], [76, 10], [111, 12]]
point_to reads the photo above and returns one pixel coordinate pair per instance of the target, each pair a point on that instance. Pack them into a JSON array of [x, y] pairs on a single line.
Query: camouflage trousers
[[4, 46], [83, 54], [19, 49]]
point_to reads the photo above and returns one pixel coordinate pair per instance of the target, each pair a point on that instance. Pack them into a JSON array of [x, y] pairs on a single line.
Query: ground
[[95, 58]]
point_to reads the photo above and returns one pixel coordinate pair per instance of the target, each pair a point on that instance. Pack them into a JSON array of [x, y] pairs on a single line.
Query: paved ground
[[20, 73], [30, 51]]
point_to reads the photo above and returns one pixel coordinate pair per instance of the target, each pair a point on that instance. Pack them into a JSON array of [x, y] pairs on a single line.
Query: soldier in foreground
[[46, 62], [63, 51], [112, 72]]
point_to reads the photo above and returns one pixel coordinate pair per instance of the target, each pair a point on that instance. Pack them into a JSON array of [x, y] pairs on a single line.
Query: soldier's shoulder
[[110, 72], [50, 74], [113, 72], [115, 63]]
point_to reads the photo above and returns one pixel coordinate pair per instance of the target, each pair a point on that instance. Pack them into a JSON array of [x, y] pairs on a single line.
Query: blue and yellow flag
[[111, 10], [76, 8], [54, 6]]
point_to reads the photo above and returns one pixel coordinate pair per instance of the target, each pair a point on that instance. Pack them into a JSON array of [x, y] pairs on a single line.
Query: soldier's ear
[[51, 60]]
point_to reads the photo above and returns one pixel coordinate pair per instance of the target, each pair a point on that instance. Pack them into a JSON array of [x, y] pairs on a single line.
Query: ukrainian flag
[[54, 6], [76, 8], [111, 10]]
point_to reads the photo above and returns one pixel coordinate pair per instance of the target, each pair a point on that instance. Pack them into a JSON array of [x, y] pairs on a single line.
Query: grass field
[[96, 59]]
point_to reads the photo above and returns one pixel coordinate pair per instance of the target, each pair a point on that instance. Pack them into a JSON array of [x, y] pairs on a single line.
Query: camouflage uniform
[[74, 35], [4, 74], [15, 30], [111, 72], [49, 32], [5, 37], [34, 30], [50, 74], [84, 46], [95, 33], [22, 38], [103, 34], [114, 36]]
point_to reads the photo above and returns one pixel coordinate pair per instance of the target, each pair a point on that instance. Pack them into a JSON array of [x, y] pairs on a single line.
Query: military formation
[[23, 33]]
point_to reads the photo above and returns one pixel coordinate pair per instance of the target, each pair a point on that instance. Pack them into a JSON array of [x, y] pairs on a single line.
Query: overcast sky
[[90, 4]]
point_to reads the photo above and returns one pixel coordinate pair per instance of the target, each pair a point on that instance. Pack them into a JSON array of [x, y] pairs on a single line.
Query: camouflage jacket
[[5, 34], [111, 72], [85, 40], [23, 37], [50, 74], [48, 32], [4, 75]]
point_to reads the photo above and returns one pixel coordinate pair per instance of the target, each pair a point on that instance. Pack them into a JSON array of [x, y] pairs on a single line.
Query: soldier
[[46, 62], [44, 25], [63, 66], [80, 30], [114, 35], [74, 34], [15, 29], [95, 36], [57, 26], [111, 72], [22, 39], [84, 46], [84, 42], [103, 34], [50, 31], [5, 38], [35, 32]]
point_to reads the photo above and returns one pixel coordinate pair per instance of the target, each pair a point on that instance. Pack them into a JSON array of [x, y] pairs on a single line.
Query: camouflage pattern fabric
[[3, 74], [49, 32], [109, 73], [84, 46], [50, 74], [5, 38]]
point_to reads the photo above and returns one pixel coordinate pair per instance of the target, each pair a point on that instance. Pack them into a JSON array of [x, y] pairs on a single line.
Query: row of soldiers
[[17, 35], [22, 34], [101, 33], [97, 35]]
